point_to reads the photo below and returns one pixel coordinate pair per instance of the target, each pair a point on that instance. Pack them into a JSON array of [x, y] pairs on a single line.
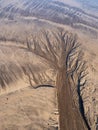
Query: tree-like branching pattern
[[61, 51]]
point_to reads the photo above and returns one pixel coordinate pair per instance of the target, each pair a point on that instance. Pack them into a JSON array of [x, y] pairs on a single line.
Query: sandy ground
[[29, 109], [32, 109]]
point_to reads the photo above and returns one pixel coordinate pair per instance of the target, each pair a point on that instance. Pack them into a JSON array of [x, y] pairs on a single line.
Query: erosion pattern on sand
[[19, 19]]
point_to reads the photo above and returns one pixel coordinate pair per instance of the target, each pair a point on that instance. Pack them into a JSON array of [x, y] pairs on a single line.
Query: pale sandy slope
[[22, 107], [19, 109], [29, 109]]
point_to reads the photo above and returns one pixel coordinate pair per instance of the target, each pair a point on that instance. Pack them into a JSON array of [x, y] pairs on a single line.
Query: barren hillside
[[20, 20]]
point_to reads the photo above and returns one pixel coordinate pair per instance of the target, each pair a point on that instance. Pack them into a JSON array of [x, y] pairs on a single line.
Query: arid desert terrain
[[35, 39]]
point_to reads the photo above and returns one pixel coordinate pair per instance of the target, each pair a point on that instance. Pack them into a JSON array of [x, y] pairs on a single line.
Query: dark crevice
[[81, 107], [43, 85]]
